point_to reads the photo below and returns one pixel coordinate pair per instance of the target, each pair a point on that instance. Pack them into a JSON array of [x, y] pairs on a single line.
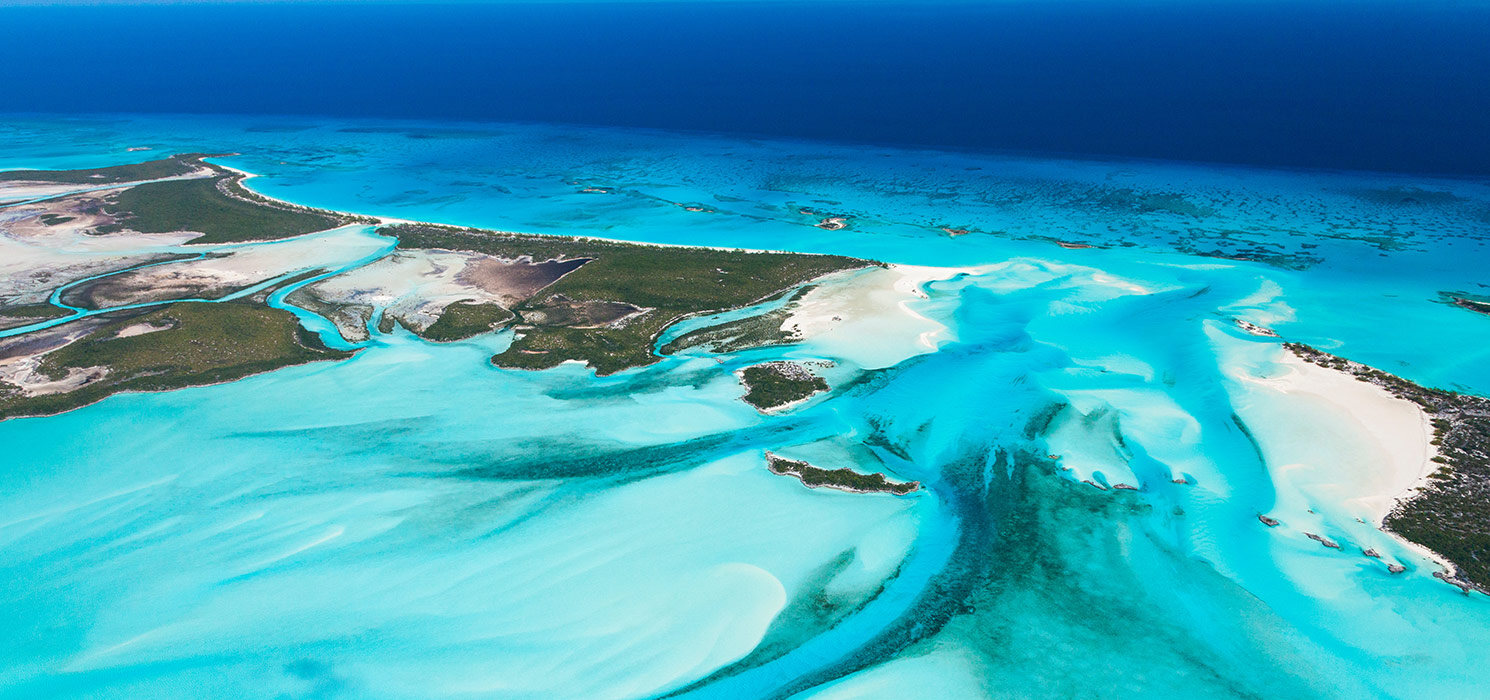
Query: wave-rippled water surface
[[414, 523]]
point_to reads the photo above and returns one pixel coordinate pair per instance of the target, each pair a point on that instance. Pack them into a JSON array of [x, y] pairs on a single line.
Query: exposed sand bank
[[21, 357], [36, 258], [1341, 453], [1354, 439], [845, 316], [226, 270]]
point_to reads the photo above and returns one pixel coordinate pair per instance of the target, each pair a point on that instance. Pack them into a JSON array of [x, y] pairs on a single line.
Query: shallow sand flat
[[21, 357], [1339, 452], [415, 286], [412, 286], [228, 268], [844, 316], [36, 259], [944, 672], [75, 213], [1348, 438], [542, 588]]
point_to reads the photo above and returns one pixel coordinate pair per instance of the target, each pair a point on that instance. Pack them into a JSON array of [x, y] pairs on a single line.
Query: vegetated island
[[218, 206], [1450, 513], [758, 330], [776, 385], [599, 302], [838, 479], [1473, 305]]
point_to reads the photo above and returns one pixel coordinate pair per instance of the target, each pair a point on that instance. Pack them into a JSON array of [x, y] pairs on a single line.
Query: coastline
[[701, 280], [381, 221], [1432, 455], [1407, 446]]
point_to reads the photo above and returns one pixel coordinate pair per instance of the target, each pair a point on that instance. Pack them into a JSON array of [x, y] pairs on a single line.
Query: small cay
[[840, 479], [776, 385]]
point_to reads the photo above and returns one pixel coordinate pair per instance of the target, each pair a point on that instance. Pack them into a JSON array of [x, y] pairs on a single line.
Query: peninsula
[[174, 285]]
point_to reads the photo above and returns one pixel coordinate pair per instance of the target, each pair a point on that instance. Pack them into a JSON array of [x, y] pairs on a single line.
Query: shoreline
[[1369, 409], [383, 220], [1420, 475]]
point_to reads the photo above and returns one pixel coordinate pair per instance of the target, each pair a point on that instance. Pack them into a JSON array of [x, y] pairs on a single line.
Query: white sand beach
[[845, 317], [1351, 438]]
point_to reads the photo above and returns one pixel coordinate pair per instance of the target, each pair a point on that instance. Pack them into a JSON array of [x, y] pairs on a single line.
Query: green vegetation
[[668, 283], [1451, 513], [134, 172], [777, 384], [841, 479], [198, 343], [55, 219], [214, 206], [462, 320], [757, 331], [1472, 305]]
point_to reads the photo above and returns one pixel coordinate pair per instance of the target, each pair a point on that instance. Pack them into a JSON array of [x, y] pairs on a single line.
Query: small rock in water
[[1373, 553], [1125, 487], [1396, 568], [1179, 480], [1323, 540], [1094, 484], [1267, 521], [1449, 579]]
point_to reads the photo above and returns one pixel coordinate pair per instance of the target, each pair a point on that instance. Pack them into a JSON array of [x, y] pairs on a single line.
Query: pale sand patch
[[229, 269], [1381, 445], [845, 315], [36, 258], [24, 373], [21, 357], [142, 328], [415, 286]]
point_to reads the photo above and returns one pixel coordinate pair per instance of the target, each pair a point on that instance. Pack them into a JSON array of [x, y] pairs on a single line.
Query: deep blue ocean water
[[1402, 86]]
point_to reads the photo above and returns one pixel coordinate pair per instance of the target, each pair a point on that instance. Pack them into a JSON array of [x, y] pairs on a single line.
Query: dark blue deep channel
[[1401, 86]]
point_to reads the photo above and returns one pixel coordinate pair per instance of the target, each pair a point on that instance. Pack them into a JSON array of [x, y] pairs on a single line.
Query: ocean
[[1374, 85], [416, 523]]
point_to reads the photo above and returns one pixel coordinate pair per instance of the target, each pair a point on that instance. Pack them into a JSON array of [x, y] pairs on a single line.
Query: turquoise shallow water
[[415, 523]]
